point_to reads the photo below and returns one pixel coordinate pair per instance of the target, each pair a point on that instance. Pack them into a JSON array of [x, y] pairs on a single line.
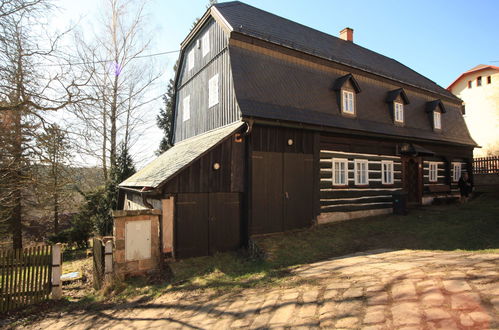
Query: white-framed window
[[361, 171], [456, 171], [213, 91], [186, 108], [190, 60], [399, 112], [348, 102], [437, 123], [433, 174], [387, 171], [205, 43], [340, 171]]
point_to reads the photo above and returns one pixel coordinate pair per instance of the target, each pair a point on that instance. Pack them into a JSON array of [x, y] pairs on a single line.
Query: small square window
[[387, 171], [437, 124], [456, 171], [489, 80], [399, 112], [348, 102], [186, 108], [433, 172], [340, 171], [361, 171], [479, 81], [469, 84]]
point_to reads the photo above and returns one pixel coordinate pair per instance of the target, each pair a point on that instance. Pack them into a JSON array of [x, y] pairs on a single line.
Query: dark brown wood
[[436, 188], [298, 190], [412, 175], [191, 225], [224, 222], [267, 192]]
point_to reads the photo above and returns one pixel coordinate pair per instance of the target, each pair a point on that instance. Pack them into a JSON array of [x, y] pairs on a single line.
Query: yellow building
[[479, 89]]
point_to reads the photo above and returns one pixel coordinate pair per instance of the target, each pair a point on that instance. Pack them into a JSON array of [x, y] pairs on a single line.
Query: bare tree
[[122, 78], [27, 93]]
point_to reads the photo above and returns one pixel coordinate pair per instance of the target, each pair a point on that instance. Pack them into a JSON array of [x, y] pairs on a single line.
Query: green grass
[[471, 227]]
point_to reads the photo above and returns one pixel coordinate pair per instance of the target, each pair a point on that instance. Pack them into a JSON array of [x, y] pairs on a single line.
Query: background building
[[479, 89]]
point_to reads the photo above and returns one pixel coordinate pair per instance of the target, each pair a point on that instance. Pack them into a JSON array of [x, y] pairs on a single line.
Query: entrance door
[[412, 179], [282, 191]]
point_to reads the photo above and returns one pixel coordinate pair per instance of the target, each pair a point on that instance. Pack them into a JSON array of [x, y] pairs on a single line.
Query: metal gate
[[98, 257]]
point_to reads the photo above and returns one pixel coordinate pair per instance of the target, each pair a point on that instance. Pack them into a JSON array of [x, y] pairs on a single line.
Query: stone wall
[[137, 249]]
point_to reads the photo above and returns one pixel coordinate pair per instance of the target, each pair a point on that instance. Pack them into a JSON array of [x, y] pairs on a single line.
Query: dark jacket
[[465, 186]]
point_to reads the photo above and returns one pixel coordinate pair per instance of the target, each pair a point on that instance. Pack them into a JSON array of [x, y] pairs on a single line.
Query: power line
[[105, 61]]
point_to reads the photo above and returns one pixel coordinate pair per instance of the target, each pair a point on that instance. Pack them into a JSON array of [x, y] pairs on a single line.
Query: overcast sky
[[439, 39]]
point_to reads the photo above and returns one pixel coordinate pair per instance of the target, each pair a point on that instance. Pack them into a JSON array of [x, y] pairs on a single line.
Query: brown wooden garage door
[[282, 191], [206, 223]]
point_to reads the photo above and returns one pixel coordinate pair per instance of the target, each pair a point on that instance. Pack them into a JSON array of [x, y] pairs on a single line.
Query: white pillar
[[56, 271], [108, 260]]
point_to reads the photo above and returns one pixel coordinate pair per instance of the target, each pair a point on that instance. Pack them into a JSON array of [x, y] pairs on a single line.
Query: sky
[[439, 39]]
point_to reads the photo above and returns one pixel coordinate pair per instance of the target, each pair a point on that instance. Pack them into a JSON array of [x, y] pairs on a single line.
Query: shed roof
[[179, 156], [257, 23]]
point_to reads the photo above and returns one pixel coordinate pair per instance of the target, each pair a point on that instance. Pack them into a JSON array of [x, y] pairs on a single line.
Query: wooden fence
[[25, 276], [486, 165]]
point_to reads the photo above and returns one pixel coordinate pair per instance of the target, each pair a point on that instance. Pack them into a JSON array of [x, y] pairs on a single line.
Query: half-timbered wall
[[194, 83]]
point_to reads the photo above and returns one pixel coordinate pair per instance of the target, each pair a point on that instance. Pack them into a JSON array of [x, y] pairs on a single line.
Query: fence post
[[108, 260], [56, 271]]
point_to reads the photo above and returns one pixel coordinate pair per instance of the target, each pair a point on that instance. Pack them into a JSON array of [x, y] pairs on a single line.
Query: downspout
[[143, 193]]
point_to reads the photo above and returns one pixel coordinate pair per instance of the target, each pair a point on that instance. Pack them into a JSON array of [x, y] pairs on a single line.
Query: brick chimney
[[347, 34]]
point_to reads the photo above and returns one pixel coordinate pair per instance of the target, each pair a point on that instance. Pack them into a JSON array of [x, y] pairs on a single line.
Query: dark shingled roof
[[257, 23]]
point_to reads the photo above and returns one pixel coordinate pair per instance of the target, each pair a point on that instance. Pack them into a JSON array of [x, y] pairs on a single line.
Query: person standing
[[465, 187]]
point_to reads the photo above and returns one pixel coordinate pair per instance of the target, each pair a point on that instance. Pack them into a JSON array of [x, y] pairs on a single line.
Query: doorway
[[412, 174]]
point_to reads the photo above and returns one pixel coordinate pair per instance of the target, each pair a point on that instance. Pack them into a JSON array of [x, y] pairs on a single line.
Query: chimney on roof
[[347, 34]]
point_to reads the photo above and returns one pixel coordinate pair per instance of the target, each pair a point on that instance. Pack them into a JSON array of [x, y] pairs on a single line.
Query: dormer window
[[346, 88], [396, 100], [348, 103], [399, 112], [437, 121], [435, 109]]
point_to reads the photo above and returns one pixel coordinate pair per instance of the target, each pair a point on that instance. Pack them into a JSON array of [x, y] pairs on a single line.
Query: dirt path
[[376, 290]]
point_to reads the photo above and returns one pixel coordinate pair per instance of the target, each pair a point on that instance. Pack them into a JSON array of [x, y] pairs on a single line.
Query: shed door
[[282, 191], [191, 225], [267, 194], [298, 190], [207, 223]]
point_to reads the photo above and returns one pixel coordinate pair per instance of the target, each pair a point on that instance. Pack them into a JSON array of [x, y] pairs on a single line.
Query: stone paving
[[376, 290]]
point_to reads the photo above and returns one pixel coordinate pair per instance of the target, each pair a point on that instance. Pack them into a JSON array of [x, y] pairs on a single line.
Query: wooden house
[[278, 126]]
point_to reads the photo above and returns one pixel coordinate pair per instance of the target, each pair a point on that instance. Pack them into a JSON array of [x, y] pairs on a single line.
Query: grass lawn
[[471, 227]]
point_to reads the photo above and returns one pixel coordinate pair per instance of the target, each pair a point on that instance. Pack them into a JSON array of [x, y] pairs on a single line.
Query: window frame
[[356, 172], [190, 60], [433, 174], [387, 180], [186, 110], [478, 81], [345, 93], [205, 44], [489, 80], [454, 166], [213, 91], [398, 107], [470, 84], [437, 119], [343, 161]]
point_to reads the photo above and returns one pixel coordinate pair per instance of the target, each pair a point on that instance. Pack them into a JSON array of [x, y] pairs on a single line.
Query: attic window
[[437, 121], [399, 112], [213, 91], [205, 43], [469, 84], [346, 88], [479, 81], [348, 102], [190, 60], [186, 108]]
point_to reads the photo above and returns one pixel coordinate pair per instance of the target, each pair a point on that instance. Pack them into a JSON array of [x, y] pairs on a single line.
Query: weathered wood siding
[[194, 83], [201, 177]]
